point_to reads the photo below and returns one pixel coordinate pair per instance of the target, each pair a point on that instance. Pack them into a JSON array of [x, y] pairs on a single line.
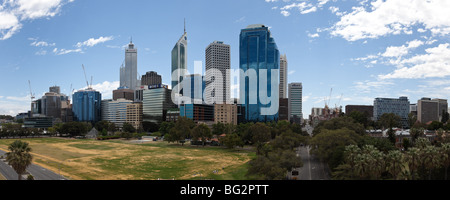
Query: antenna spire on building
[[185, 25]]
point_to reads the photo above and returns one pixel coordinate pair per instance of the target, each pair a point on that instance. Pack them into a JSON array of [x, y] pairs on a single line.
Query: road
[[313, 168], [39, 173]]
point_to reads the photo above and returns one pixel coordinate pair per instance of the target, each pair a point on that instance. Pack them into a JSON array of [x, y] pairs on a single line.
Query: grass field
[[125, 160]]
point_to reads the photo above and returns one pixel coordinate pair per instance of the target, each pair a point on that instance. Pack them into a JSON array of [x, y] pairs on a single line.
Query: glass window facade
[[86, 106], [399, 107], [155, 104], [258, 51]]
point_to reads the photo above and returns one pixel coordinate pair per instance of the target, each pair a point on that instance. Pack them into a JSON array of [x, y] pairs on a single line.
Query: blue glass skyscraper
[[86, 106], [259, 74]]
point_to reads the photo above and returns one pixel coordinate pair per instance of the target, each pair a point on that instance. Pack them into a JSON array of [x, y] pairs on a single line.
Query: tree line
[[352, 154]]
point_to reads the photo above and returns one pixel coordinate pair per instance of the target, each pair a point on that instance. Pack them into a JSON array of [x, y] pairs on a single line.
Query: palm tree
[[412, 158], [394, 162], [19, 157], [445, 152]]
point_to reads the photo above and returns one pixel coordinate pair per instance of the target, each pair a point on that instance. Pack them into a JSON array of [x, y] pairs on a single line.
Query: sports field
[[128, 160]]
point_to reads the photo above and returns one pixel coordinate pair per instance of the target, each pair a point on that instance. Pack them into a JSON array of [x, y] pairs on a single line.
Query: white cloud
[[65, 51], [92, 41], [398, 51], [393, 17], [315, 35], [106, 88], [14, 12], [285, 13], [435, 63]]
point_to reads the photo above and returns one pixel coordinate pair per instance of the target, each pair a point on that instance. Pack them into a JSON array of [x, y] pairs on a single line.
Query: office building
[[283, 76], [38, 122], [193, 87], [197, 112], [295, 102], [179, 64], [429, 110], [259, 57], [284, 109], [217, 57], [151, 78], [398, 106], [225, 114], [123, 93], [364, 109], [134, 114], [86, 106], [115, 111], [129, 73], [156, 102]]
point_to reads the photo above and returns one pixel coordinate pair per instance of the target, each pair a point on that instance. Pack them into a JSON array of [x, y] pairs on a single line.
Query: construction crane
[[32, 98], [85, 77]]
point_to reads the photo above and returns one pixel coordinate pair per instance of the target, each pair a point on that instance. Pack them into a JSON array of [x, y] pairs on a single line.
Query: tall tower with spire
[[179, 61], [128, 73]]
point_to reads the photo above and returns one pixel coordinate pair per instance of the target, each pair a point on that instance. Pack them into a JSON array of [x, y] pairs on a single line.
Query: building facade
[[225, 114], [151, 78], [283, 76], [259, 57], [115, 111], [86, 106], [128, 73], [134, 114], [123, 93], [295, 113], [179, 64], [217, 57], [193, 88], [284, 109], [429, 110], [398, 106], [197, 112], [155, 104], [364, 109]]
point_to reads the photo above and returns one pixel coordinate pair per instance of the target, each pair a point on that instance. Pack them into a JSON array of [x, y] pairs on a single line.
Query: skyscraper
[[259, 76], [86, 106], [399, 107], [179, 62], [217, 57], [151, 78], [128, 73], [295, 102], [283, 76]]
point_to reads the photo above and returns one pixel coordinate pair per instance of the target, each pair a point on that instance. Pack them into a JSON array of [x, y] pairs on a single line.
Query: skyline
[[362, 49]]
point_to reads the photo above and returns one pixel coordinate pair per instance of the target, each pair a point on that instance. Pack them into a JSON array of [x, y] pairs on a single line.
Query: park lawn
[[125, 160]]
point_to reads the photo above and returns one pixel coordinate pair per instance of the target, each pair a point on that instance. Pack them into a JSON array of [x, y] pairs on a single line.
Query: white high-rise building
[[283, 76], [217, 57], [179, 63], [128, 73], [295, 102], [115, 111]]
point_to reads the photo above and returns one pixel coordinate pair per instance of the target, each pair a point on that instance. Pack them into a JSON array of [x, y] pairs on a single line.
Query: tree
[[445, 116], [74, 128], [150, 126], [181, 130], [260, 134], [232, 140], [329, 145], [445, 153], [412, 157], [165, 127], [19, 157], [435, 125], [412, 119], [390, 120], [218, 128], [394, 160], [128, 128], [201, 132]]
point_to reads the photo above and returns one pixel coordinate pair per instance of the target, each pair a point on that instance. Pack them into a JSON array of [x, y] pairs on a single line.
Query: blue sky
[[363, 49]]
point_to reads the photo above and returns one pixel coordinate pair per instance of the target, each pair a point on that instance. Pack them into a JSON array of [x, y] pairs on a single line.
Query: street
[[39, 173]]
